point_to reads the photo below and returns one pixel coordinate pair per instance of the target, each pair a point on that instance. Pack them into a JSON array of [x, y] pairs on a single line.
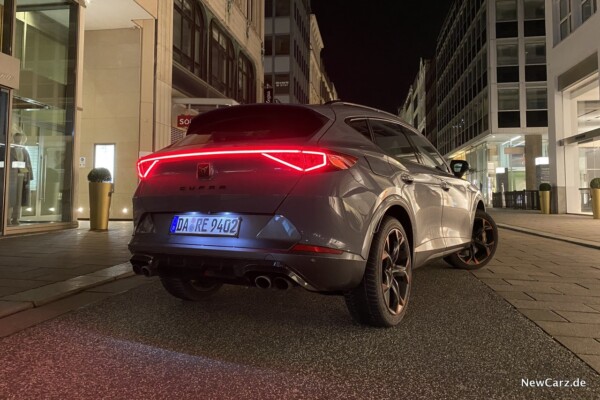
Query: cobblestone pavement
[[553, 283]]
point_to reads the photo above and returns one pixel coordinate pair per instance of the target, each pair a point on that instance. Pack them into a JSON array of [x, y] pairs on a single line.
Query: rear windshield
[[254, 123]]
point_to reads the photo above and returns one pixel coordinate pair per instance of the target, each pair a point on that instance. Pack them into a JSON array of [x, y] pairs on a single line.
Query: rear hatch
[[243, 159]]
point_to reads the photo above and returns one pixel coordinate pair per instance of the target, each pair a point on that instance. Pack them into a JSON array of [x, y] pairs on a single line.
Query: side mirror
[[459, 167]]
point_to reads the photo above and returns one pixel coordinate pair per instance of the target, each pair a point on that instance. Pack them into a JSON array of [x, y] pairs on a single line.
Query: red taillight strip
[[145, 173], [279, 160], [216, 153], [306, 248], [338, 161]]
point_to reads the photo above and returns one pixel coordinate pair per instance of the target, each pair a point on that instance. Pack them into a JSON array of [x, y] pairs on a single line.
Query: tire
[[382, 297], [191, 290], [483, 244]]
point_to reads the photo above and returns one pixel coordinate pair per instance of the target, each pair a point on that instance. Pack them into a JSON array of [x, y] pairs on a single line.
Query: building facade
[[321, 89], [574, 101], [431, 102], [492, 92], [414, 110], [91, 83], [287, 50]]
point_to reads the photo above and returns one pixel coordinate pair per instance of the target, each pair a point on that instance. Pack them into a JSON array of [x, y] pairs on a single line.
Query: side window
[[428, 154], [392, 140], [361, 126]]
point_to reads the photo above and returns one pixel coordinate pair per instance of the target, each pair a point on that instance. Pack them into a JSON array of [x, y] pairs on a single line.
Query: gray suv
[[336, 198]]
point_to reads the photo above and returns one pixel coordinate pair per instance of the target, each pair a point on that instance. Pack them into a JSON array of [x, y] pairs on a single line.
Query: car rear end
[[249, 197]]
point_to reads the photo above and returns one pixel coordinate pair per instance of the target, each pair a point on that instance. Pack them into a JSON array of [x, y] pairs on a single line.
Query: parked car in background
[[336, 198]]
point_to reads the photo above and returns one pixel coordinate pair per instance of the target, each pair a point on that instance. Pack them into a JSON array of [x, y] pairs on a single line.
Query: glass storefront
[[589, 168], [40, 179], [582, 104], [499, 165]]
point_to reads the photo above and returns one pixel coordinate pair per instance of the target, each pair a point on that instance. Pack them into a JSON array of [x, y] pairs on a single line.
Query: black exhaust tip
[[281, 283], [263, 282]]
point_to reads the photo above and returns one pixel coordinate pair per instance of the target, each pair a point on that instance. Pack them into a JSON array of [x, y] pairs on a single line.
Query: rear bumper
[[321, 273]]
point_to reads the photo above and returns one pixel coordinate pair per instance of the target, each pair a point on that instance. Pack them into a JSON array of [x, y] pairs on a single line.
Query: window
[[361, 126], [533, 9], [508, 108], [537, 107], [508, 74], [282, 8], [188, 36], [506, 10], [3, 46], [535, 73], [254, 124], [104, 157], [428, 154], [535, 53], [390, 137], [537, 98], [535, 60], [508, 54], [282, 45], [508, 99], [565, 18], [535, 27], [268, 8], [507, 29], [221, 61], [246, 90], [588, 7]]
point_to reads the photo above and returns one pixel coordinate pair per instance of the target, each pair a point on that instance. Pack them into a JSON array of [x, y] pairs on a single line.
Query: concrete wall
[[111, 111], [575, 48]]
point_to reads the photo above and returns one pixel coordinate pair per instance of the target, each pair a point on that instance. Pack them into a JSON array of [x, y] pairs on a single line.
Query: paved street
[[460, 340]]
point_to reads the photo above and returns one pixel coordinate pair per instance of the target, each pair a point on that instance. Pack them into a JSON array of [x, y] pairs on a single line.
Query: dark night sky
[[372, 48]]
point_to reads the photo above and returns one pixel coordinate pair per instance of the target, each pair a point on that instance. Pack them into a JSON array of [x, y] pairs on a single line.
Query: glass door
[[43, 112]]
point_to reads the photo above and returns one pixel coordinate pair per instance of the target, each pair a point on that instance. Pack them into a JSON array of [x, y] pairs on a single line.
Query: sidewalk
[[552, 282], [578, 229], [41, 268]]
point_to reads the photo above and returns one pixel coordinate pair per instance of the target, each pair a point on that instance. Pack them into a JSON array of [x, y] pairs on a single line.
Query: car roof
[[345, 110]]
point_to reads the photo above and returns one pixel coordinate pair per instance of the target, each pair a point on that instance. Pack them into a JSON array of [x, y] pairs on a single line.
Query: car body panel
[[280, 208]]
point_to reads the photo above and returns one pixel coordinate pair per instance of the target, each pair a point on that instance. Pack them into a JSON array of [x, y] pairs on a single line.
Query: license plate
[[204, 225]]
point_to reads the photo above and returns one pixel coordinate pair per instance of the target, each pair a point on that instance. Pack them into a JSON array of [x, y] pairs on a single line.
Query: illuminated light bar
[[300, 160], [306, 248], [145, 166]]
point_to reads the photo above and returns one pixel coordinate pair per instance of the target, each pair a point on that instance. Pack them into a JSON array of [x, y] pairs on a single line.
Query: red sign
[[183, 121]]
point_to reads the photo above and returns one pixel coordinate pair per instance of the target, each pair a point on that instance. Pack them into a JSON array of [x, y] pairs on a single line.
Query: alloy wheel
[[482, 244], [396, 272]]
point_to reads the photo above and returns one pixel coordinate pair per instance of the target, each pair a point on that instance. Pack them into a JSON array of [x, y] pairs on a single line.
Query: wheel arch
[[394, 208]]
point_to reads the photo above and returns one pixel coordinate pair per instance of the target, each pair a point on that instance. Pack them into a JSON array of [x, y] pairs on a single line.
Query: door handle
[[407, 178], [445, 185]]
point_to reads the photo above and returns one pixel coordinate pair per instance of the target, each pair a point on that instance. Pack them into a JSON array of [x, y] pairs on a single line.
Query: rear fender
[[384, 207]]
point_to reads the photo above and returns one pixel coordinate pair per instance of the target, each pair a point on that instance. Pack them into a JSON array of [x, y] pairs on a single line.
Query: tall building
[[321, 90], [574, 101], [492, 92], [86, 83], [431, 102], [414, 110], [287, 49]]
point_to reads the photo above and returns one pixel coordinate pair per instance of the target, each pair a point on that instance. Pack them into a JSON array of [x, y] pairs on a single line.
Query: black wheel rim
[[396, 272], [482, 243]]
